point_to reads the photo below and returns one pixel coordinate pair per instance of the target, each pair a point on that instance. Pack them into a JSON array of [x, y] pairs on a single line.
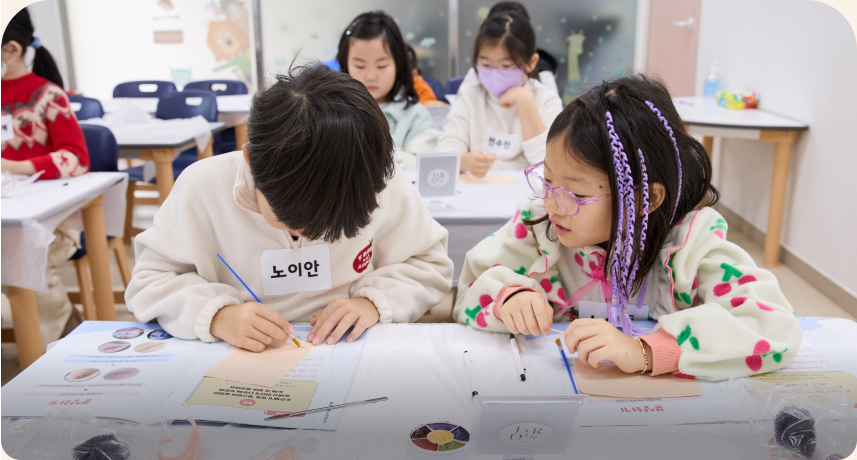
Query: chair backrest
[[332, 63], [187, 104], [103, 150], [144, 88], [436, 87], [220, 87], [452, 85], [86, 107]]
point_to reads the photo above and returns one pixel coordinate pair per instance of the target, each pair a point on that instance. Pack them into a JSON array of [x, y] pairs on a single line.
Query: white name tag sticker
[[283, 274], [8, 131], [590, 309], [504, 145]]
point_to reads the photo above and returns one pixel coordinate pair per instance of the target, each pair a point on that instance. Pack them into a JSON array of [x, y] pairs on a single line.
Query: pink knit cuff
[[665, 351], [504, 294]]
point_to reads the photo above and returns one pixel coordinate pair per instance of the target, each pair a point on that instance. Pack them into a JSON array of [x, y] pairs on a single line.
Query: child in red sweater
[[47, 137]]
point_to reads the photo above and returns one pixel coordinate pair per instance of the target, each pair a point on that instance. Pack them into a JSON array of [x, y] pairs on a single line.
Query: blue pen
[[251, 293], [565, 360]]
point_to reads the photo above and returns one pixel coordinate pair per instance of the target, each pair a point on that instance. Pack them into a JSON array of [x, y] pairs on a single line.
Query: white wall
[[113, 41], [801, 56], [48, 27]]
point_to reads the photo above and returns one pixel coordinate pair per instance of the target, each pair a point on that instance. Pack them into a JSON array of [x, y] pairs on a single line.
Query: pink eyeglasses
[[568, 202]]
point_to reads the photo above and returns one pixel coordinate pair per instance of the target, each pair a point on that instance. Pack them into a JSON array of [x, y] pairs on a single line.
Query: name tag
[[283, 274], [8, 132], [590, 309], [504, 145]]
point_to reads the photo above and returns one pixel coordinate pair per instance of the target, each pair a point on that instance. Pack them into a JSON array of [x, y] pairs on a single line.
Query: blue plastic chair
[[222, 88], [219, 87], [89, 107], [452, 85], [333, 64], [182, 105], [437, 88], [103, 157], [133, 88]]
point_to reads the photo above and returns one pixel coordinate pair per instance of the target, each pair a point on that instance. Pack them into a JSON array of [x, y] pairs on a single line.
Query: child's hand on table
[[252, 326], [527, 312], [596, 340], [340, 315], [477, 162]]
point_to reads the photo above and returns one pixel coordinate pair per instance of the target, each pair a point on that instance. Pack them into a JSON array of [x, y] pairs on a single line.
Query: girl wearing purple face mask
[[499, 119]]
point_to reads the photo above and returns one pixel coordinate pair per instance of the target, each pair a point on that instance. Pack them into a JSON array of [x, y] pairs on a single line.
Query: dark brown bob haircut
[[320, 151]]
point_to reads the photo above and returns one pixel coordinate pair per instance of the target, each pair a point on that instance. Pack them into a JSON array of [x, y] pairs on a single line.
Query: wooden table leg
[[240, 135], [163, 159], [25, 316], [708, 143], [99, 262], [783, 141]]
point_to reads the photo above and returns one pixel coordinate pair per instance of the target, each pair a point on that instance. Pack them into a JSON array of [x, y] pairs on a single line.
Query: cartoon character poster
[[229, 38]]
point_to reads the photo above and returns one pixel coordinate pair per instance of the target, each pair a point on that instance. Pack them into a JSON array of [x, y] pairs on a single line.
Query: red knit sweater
[[46, 130]]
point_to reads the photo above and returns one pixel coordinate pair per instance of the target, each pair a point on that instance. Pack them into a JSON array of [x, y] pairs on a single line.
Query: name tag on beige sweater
[[283, 274]]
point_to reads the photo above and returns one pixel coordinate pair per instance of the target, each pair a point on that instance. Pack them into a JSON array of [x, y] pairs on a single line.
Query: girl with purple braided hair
[[621, 223]]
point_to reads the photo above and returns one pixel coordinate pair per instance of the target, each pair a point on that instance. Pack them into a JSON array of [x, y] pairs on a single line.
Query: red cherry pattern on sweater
[[760, 351]]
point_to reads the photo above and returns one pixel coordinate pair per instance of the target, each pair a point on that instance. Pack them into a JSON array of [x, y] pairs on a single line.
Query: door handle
[[688, 23]]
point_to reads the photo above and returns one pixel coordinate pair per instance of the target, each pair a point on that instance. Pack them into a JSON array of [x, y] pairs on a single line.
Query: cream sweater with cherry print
[[717, 312]]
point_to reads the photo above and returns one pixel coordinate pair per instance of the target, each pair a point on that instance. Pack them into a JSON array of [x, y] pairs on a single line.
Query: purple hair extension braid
[[622, 283], [677, 155], [645, 223]]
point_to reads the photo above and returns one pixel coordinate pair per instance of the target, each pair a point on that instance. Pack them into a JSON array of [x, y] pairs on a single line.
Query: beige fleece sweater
[[475, 111], [212, 209]]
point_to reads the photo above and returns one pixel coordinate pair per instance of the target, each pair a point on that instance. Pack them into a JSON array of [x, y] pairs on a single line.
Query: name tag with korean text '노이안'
[[283, 274]]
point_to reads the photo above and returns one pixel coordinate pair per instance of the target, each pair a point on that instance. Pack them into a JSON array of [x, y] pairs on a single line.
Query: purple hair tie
[[620, 270], [677, 155]]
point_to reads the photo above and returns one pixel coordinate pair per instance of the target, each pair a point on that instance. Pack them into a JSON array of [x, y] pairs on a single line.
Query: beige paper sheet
[[609, 380], [264, 369], [468, 179], [286, 396], [838, 378]]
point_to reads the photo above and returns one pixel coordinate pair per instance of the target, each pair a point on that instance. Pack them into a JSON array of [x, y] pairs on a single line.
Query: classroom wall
[[48, 27], [801, 56], [177, 40]]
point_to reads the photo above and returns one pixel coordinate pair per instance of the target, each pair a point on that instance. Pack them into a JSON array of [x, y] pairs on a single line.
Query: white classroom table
[[419, 368], [478, 210], [161, 148], [232, 110], [703, 116], [29, 218]]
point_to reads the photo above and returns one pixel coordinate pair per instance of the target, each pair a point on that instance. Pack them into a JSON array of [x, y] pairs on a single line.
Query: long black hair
[[583, 132], [20, 30], [515, 32], [376, 24]]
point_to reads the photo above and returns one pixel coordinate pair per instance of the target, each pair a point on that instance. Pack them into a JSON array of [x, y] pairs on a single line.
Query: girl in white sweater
[[311, 217], [373, 51], [501, 120]]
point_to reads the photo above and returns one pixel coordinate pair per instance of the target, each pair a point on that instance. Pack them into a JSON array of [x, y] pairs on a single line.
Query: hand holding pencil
[[252, 325]]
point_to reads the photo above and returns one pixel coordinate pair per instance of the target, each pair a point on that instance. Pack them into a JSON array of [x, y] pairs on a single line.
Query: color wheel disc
[[439, 439]]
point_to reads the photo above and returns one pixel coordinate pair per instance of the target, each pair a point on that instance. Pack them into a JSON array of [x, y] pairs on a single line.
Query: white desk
[[232, 110], [478, 210], [160, 146], [419, 367], [28, 222], [705, 117]]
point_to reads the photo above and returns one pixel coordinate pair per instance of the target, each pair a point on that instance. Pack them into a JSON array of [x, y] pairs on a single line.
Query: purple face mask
[[498, 81]]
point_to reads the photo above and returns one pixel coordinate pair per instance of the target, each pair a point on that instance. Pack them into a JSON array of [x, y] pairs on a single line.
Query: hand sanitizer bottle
[[712, 81]]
